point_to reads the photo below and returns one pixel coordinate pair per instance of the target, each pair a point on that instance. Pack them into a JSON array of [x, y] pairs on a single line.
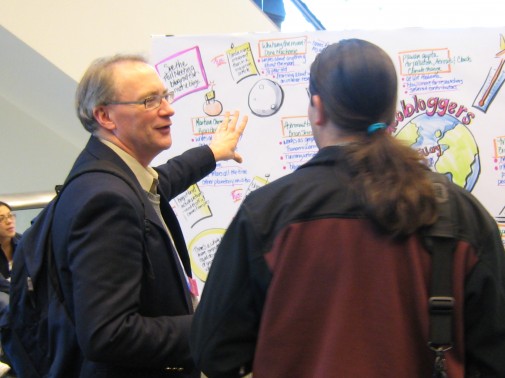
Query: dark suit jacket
[[131, 308]]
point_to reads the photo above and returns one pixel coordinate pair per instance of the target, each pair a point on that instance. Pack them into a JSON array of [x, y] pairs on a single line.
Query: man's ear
[[320, 117], [101, 114]]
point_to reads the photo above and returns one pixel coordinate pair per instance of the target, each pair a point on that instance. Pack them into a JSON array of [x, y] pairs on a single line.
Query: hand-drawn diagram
[[266, 76], [183, 72], [265, 98], [241, 62], [499, 162], [493, 82], [212, 107]]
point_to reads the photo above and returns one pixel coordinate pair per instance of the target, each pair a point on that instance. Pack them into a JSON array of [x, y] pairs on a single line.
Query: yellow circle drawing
[[202, 249]]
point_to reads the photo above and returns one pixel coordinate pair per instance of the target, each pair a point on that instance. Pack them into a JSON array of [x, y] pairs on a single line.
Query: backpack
[[441, 241], [36, 294]]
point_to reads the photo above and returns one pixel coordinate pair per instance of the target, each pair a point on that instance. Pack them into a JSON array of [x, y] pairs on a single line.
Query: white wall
[[45, 46]]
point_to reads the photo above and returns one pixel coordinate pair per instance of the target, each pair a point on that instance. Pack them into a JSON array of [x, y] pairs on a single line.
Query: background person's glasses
[[151, 102], [7, 217]]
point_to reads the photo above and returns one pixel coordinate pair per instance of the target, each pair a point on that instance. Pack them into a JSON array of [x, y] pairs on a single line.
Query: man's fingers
[[243, 124], [224, 123], [237, 157]]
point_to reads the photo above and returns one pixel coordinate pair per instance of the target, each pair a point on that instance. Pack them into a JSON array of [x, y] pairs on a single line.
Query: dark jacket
[[5, 271], [131, 308], [303, 285], [4, 264]]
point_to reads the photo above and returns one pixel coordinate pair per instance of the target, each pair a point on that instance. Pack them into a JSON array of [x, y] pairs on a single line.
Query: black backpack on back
[[24, 329]]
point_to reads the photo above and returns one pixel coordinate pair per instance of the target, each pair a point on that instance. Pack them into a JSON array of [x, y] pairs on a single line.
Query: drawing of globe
[[448, 145]]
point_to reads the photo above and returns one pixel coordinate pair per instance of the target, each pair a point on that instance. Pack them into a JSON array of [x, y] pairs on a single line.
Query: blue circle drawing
[[448, 146]]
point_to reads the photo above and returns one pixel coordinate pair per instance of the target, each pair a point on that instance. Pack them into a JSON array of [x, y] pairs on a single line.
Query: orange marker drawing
[[492, 83], [496, 74]]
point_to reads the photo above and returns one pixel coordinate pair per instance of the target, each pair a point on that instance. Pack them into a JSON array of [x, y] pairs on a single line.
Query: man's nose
[[166, 107]]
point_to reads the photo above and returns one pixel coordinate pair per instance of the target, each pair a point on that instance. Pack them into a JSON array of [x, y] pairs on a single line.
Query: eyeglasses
[[151, 102], [8, 217]]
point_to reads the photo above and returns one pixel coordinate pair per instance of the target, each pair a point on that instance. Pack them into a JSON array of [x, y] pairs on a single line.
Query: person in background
[[324, 273], [127, 279], [9, 239]]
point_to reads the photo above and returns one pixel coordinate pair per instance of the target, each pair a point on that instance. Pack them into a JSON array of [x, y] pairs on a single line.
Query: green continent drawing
[[448, 146]]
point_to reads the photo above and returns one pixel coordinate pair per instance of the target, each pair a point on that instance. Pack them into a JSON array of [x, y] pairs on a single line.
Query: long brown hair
[[357, 83]]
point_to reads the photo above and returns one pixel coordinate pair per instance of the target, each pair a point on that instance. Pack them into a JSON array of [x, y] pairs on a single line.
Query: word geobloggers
[[432, 106]]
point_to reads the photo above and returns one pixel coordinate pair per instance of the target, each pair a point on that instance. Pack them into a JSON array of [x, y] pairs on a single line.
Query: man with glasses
[[123, 264]]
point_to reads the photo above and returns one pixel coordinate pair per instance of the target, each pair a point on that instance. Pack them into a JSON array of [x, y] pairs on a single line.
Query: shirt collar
[[145, 176]]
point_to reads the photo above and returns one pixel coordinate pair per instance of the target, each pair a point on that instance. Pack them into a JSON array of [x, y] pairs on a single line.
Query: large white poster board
[[451, 108]]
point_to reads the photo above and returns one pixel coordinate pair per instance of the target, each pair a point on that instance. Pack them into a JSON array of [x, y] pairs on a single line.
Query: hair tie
[[376, 126]]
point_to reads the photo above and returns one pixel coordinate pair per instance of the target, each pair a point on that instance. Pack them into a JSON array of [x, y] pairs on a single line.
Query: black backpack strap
[[101, 166], [441, 241], [92, 166]]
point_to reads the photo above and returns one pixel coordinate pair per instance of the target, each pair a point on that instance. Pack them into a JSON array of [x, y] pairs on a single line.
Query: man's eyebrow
[[155, 93]]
